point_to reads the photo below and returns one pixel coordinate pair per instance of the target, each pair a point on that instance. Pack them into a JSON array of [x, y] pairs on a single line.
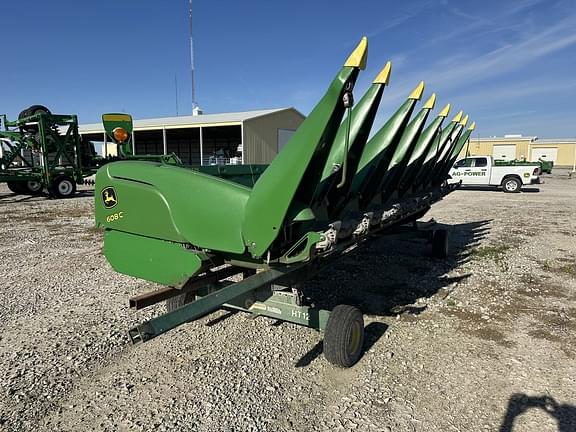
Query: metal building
[[250, 137], [560, 151]]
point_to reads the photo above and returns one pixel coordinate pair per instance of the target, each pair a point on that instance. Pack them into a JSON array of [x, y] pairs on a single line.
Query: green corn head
[[330, 186]]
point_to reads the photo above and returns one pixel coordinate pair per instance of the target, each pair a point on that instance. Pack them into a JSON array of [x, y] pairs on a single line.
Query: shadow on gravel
[[564, 414], [493, 189], [12, 197], [84, 193], [393, 277], [221, 318], [311, 355]]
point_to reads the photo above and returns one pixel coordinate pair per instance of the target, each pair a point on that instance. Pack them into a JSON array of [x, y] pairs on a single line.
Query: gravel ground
[[482, 341]]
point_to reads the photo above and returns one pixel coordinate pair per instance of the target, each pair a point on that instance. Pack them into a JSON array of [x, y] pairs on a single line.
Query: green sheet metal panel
[[458, 148], [295, 172], [440, 142], [151, 259], [405, 147], [423, 146], [203, 210], [377, 154], [344, 156]]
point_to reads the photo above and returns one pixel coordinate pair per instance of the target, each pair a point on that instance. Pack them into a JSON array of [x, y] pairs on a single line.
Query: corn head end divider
[[331, 189]]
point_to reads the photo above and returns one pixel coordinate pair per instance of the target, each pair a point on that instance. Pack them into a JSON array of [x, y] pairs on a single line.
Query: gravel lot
[[485, 340]]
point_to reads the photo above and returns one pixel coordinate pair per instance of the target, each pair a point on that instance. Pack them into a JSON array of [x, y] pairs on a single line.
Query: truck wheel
[[440, 244], [344, 336], [511, 185], [174, 303], [63, 187]]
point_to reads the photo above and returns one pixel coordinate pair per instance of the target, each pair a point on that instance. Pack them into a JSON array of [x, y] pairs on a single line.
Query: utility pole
[[194, 103], [176, 92], [574, 164]]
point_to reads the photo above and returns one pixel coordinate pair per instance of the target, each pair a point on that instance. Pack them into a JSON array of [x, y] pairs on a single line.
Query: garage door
[[548, 154], [504, 151]]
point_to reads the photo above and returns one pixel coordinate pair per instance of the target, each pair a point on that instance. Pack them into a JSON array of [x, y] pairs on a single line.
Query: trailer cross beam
[[211, 302]]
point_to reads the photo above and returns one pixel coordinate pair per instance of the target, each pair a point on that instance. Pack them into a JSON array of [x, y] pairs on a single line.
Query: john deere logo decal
[[109, 197]]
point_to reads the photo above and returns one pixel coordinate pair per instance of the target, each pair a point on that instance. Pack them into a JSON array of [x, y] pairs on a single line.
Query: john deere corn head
[[331, 188]]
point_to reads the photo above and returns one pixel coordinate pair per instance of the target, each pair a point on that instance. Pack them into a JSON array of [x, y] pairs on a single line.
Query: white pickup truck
[[481, 171]]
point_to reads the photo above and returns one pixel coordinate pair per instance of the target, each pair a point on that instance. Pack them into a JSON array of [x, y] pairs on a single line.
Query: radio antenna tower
[[195, 108]]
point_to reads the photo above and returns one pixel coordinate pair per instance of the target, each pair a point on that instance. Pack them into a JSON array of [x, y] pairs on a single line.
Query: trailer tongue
[[330, 190]]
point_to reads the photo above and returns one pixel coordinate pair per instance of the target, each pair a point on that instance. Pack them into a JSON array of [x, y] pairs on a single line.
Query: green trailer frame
[[42, 150], [36, 156]]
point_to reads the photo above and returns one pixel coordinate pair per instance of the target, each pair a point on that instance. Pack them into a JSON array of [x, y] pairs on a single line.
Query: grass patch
[[490, 252], [493, 335], [569, 269], [543, 334]]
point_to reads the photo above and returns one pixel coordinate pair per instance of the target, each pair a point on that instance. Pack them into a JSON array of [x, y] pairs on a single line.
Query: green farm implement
[[42, 151], [249, 237], [545, 165]]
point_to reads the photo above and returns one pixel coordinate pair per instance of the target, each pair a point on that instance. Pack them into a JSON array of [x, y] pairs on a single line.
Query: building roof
[[556, 141], [507, 138], [532, 139], [190, 120]]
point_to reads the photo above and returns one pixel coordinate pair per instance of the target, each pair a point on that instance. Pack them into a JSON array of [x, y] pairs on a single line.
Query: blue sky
[[510, 64]]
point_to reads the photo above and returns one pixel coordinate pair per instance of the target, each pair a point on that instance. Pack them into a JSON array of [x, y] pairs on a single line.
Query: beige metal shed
[[248, 137]]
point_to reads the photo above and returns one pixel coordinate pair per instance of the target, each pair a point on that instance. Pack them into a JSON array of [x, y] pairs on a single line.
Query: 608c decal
[[114, 217]]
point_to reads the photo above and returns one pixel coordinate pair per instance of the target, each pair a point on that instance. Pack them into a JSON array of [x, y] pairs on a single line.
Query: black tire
[[63, 187], [34, 187], [344, 336], [174, 303], [34, 109], [511, 184], [440, 243], [17, 187]]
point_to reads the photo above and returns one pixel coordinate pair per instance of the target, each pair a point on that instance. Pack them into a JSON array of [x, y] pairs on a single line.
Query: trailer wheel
[[17, 187], [63, 187], [344, 336], [174, 303], [440, 243], [34, 187], [511, 185]]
